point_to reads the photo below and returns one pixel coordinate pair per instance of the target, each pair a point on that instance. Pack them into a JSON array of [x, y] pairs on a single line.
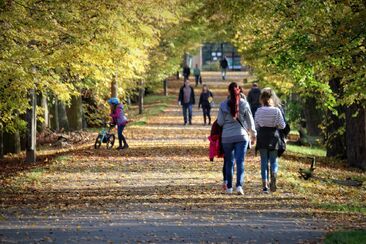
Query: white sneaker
[[239, 190], [229, 190]]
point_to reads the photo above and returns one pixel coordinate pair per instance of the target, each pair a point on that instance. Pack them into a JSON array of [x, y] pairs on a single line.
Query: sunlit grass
[[308, 151], [346, 237]]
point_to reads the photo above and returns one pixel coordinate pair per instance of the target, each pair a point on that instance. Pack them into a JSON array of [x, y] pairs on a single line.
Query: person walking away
[[186, 72], [186, 99], [197, 75], [119, 118], [205, 102], [236, 120], [224, 65], [268, 121], [253, 98]]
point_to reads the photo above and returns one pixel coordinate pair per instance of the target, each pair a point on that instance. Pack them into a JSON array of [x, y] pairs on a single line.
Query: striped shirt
[[269, 117]]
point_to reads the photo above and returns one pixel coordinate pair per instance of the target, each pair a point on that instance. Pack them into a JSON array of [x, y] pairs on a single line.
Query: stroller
[[105, 136]]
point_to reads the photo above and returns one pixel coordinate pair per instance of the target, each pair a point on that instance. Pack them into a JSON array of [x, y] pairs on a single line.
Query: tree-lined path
[[162, 189]]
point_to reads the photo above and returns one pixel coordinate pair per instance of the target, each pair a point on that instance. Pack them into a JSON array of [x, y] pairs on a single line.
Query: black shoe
[[190, 123], [119, 148], [265, 190], [125, 146]]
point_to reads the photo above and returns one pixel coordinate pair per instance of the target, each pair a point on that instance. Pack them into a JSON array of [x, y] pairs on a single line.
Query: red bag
[[215, 148]]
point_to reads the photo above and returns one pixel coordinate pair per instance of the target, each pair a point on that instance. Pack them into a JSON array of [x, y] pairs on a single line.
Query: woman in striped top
[[268, 120]]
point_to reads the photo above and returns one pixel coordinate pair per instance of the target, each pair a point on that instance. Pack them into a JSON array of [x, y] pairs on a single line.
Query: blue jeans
[[187, 112], [237, 151], [271, 156]]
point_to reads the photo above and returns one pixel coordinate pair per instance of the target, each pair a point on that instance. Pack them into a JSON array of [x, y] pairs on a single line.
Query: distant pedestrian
[[206, 99], [186, 72], [268, 120], [237, 121], [224, 66], [186, 99], [197, 75], [253, 98], [119, 118]]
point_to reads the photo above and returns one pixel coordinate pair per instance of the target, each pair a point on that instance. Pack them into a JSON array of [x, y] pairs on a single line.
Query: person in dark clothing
[[186, 99], [253, 98], [224, 65], [206, 99], [186, 72]]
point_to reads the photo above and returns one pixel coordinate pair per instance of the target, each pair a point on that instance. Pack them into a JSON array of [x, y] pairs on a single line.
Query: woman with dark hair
[[206, 99], [236, 120], [268, 120]]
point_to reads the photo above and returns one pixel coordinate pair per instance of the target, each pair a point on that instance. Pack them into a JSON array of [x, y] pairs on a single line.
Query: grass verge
[[308, 151], [346, 237]]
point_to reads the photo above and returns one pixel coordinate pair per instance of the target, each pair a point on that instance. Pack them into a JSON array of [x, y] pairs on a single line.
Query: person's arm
[[220, 117], [200, 101], [194, 97], [256, 120], [249, 121], [180, 96], [280, 121]]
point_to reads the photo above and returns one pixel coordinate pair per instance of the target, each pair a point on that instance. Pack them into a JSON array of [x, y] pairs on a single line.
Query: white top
[[269, 117]]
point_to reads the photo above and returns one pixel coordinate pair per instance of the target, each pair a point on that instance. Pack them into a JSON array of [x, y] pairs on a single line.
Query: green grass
[[347, 208], [308, 151], [346, 237]]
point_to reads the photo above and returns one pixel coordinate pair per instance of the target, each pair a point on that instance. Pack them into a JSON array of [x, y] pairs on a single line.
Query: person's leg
[[185, 111], [204, 109], [200, 78], [196, 79], [224, 176], [209, 115], [264, 167], [273, 159], [190, 113], [229, 163], [240, 151], [121, 137]]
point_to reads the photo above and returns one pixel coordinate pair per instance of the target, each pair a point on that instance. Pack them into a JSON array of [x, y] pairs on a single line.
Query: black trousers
[[206, 113]]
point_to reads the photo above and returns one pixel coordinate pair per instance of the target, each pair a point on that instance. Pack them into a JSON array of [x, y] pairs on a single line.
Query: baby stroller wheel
[[98, 142], [110, 141]]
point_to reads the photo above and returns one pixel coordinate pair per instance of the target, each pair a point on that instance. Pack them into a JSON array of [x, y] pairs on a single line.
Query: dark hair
[[266, 95], [232, 102]]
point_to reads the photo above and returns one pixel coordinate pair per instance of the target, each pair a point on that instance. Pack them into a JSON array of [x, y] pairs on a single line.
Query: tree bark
[[1, 142], [75, 113], [313, 117], [336, 141], [62, 116], [165, 84], [141, 97], [31, 132], [356, 136]]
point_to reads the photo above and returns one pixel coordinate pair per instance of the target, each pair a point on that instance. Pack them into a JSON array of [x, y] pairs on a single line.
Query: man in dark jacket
[[186, 72], [186, 99], [224, 65], [253, 98]]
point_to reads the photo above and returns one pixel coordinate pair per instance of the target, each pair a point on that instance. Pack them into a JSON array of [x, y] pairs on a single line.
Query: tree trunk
[[75, 113], [165, 84], [335, 139], [313, 117], [11, 142], [356, 136], [54, 118], [1, 143], [141, 97], [62, 116], [42, 101], [114, 87], [31, 132]]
